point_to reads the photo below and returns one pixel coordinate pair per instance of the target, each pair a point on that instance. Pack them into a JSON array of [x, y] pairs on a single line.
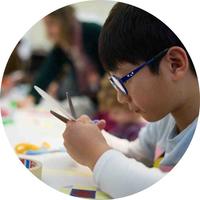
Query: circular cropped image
[[100, 100]]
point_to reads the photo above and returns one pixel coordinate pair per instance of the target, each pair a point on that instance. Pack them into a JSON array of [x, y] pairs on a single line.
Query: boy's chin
[[153, 117]]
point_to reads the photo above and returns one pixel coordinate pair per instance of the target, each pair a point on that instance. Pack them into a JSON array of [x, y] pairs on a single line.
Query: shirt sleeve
[[142, 149], [120, 176]]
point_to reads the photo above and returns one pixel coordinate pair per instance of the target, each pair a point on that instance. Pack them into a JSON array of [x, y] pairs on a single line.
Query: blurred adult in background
[[72, 64]]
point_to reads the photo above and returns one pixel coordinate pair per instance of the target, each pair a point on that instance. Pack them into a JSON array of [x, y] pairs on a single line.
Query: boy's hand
[[84, 141], [85, 119]]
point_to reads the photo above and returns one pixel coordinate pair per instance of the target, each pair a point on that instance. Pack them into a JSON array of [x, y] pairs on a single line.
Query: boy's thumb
[[101, 124]]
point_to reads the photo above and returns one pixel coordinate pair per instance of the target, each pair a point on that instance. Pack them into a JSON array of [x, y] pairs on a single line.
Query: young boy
[[154, 75]]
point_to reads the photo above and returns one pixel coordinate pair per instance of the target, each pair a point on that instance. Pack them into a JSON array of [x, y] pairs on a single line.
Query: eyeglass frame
[[125, 78]]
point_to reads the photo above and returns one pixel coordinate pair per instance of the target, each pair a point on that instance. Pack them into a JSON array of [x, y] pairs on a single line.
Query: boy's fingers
[[101, 124], [84, 119]]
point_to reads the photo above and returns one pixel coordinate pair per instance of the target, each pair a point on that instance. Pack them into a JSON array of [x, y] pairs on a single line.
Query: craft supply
[[7, 121], [53, 103], [46, 145], [56, 105], [4, 112], [34, 166], [84, 192], [6, 117], [13, 104], [44, 151], [23, 148]]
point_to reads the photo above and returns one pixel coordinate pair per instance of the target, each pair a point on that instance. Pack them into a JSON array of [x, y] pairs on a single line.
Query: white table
[[36, 125]]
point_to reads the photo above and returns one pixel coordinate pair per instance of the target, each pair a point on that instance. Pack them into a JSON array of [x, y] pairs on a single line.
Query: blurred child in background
[[120, 121]]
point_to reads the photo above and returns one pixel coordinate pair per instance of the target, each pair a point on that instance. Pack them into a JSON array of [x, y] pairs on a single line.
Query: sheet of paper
[[55, 105]]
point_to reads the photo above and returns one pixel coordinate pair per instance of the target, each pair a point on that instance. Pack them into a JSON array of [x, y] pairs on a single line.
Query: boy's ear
[[178, 62]]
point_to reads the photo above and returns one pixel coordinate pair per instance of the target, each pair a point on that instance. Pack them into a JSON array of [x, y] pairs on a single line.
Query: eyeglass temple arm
[[129, 75]]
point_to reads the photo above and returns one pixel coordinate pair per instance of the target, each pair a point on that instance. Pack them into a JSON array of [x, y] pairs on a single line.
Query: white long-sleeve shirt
[[127, 168]]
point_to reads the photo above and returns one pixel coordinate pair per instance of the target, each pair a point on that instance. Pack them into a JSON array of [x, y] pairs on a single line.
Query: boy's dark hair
[[131, 34]]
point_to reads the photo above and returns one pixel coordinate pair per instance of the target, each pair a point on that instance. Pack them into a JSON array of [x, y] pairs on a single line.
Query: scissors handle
[[65, 120], [60, 117]]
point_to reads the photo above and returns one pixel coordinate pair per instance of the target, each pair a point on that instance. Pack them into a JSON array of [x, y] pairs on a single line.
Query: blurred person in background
[[120, 121], [72, 64], [14, 72]]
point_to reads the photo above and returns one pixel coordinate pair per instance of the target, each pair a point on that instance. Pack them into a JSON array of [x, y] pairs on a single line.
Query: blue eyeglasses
[[118, 83]]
